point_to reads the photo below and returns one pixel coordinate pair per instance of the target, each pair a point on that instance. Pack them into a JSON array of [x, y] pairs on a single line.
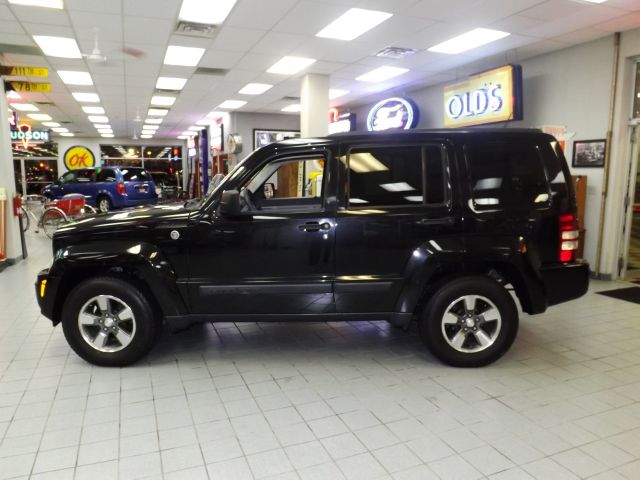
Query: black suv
[[434, 226]]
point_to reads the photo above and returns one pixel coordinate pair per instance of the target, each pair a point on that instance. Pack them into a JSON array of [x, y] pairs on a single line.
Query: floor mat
[[630, 294]]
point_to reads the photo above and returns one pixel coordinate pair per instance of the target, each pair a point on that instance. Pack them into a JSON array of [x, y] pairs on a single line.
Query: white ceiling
[[257, 33]]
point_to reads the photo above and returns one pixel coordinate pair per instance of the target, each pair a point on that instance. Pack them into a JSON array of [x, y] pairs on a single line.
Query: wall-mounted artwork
[[265, 137], [589, 153]]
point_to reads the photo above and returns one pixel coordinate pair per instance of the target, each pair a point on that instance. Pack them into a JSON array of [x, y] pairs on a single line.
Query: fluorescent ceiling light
[[104, 130], [98, 119], [231, 104], [170, 83], [397, 187], [195, 128], [102, 125], [255, 88], [66, 134], [296, 107], [61, 47], [336, 93], [290, 65], [148, 132], [162, 101], [205, 11], [183, 56], [189, 133], [86, 97], [71, 77], [98, 110], [157, 112], [183, 137], [146, 136], [39, 3], [467, 41], [381, 74], [106, 135], [204, 122], [353, 23], [24, 107], [594, 1], [154, 120], [39, 116], [11, 95], [151, 127], [60, 130], [51, 124]]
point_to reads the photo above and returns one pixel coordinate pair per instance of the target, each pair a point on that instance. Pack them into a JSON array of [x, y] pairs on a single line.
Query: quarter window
[[106, 175], [395, 176], [84, 176]]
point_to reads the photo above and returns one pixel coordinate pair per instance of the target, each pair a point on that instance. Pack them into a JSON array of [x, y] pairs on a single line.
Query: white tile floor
[[321, 401]]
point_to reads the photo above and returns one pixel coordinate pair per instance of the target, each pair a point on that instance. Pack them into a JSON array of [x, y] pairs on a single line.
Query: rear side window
[[558, 174], [393, 176], [506, 176], [106, 175], [84, 176], [135, 175]]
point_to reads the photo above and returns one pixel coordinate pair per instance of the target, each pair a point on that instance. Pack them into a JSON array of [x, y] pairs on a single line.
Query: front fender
[[141, 261]]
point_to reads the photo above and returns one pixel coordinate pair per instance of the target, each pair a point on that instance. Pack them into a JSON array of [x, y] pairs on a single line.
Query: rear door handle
[[314, 227]]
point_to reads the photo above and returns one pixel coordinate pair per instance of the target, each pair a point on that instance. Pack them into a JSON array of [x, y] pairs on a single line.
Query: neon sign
[[393, 114], [341, 122], [25, 135], [488, 97]]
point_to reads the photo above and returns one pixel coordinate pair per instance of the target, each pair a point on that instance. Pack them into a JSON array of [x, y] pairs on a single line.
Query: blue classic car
[[106, 188]]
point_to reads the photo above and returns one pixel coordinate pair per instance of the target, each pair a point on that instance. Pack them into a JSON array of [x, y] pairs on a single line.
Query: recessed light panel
[[157, 112], [189, 133], [39, 116], [11, 95], [96, 110], [151, 127], [98, 119], [381, 74], [205, 11], [353, 23], [104, 130], [24, 107], [170, 83], [204, 122], [162, 101], [71, 77], [61, 47], [86, 97], [50, 124], [148, 132], [156, 121], [255, 88], [106, 135], [468, 41], [60, 129], [231, 104], [290, 65], [145, 135], [101, 125], [183, 137], [66, 134], [195, 128], [39, 3], [296, 107], [183, 56]]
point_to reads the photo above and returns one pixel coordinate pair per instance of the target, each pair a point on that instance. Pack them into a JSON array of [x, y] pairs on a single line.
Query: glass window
[[506, 175], [135, 175], [106, 175], [636, 93], [68, 177], [388, 176], [84, 176]]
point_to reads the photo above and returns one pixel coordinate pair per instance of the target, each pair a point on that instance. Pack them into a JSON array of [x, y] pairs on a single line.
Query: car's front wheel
[[469, 322], [109, 322]]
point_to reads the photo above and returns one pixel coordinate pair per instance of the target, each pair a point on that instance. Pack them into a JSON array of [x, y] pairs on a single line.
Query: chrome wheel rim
[[51, 222], [107, 323], [103, 205], [471, 324]]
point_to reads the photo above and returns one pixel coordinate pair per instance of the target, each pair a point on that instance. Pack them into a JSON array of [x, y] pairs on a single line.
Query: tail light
[[568, 241], [121, 189]]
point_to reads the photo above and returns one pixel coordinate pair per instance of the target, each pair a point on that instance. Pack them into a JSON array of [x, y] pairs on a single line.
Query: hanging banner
[[14, 71], [79, 156], [10, 85], [488, 97]]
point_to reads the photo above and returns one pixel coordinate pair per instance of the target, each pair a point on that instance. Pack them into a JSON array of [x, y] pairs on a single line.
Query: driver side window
[[291, 183]]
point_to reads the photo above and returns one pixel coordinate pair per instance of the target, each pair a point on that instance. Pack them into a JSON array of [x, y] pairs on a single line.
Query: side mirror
[[230, 203]]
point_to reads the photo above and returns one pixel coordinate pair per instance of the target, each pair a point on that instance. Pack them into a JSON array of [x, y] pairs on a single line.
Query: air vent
[[20, 49], [43, 103], [166, 90], [291, 99], [192, 29], [395, 52], [215, 72], [66, 122]]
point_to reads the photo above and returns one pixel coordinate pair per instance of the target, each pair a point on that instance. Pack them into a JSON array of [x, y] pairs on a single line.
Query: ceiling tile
[[308, 18], [237, 39], [167, 9], [146, 30], [220, 59], [259, 15]]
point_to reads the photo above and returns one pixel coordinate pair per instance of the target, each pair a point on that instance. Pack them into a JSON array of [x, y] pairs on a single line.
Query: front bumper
[[565, 282], [46, 287]]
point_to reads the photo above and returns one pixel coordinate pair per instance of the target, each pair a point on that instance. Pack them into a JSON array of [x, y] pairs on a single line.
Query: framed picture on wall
[[588, 153], [265, 137]]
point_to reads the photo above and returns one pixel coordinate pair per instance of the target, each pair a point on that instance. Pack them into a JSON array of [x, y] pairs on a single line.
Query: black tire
[[440, 333], [26, 221], [142, 337], [103, 204]]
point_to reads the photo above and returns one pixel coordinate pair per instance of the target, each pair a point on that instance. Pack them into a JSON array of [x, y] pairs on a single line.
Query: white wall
[[568, 87], [244, 123]]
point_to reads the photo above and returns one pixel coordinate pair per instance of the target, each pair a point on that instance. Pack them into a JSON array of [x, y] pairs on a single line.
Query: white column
[[7, 180], [314, 99]]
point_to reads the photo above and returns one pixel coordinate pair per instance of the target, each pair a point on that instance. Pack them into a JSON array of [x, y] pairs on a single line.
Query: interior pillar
[[314, 100]]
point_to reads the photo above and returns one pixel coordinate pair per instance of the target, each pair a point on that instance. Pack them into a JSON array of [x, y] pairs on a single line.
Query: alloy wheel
[[107, 323], [471, 323]]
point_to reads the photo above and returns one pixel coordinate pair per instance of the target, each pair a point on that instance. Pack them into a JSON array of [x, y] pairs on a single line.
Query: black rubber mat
[[630, 294]]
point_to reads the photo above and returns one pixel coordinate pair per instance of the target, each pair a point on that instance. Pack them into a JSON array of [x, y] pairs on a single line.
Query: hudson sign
[[488, 97]]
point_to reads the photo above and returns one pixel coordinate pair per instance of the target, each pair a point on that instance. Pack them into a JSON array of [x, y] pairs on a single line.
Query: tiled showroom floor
[[321, 401]]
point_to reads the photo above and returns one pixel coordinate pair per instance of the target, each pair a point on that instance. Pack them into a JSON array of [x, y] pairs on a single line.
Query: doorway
[[629, 266]]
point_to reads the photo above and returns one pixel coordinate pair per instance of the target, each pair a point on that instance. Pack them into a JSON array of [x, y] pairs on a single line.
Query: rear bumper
[[46, 294], [565, 282]]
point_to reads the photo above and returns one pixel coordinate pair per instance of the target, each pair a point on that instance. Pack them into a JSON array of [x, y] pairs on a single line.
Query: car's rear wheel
[[103, 203], [469, 322], [109, 322]]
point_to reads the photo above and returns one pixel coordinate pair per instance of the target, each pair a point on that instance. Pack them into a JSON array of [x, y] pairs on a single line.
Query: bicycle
[[64, 210], [30, 201]]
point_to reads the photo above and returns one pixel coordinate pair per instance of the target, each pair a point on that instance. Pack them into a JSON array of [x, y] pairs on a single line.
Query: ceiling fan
[[96, 55]]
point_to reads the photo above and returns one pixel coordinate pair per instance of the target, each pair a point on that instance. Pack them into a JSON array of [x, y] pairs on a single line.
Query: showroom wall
[[569, 87], [244, 123]]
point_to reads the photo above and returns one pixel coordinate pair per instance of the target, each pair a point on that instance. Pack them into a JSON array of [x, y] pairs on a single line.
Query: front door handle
[[314, 227]]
